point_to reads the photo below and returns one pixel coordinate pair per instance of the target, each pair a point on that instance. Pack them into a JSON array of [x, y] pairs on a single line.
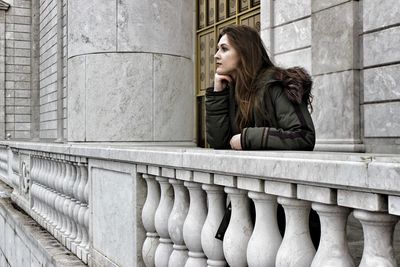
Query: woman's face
[[226, 57]]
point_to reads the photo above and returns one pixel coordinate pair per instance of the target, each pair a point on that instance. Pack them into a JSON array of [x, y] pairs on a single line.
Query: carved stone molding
[[4, 5]]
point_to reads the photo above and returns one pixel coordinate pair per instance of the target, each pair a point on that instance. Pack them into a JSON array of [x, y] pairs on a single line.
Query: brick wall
[[48, 69], [18, 69]]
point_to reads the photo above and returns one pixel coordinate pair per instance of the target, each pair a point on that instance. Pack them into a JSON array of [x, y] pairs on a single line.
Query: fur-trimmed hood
[[296, 82]]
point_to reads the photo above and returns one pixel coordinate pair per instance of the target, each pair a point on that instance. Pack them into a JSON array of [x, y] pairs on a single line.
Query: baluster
[[333, 249], [163, 211], [70, 182], [378, 231], [85, 237], [297, 249], [69, 213], [193, 225], [34, 173], [45, 211], [148, 213], [82, 183], [57, 217], [266, 238], [175, 224], [216, 207], [85, 250], [54, 194], [60, 201], [73, 178], [79, 234], [87, 186], [239, 230]]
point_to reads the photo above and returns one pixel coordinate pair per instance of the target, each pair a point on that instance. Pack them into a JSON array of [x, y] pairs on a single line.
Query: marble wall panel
[[382, 120], [160, 26], [173, 98], [380, 13], [118, 97], [289, 10], [295, 58], [22, 253], [335, 105], [115, 212], [91, 27], [317, 5], [382, 47], [76, 99], [334, 47], [266, 11], [267, 40], [292, 36], [2, 233], [382, 83]]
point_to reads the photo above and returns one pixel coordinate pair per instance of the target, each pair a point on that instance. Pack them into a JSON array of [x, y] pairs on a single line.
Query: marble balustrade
[[174, 199], [184, 208], [59, 200], [3, 162]]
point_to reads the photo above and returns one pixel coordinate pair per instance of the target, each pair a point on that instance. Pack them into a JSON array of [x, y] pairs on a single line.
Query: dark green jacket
[[287, 124]]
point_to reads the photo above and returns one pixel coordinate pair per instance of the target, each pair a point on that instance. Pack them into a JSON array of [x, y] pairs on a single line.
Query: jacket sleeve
[[294, 129], [217, 118]]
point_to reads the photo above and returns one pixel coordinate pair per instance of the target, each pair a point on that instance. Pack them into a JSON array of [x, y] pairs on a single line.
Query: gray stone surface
[[77, 99], [382, 120], [381, 47], [336, 106], [267, 40], [203, 177], [292, 36], [316, 194], [362, 200], [289, 10], [29, 245], [266, 14], [118, 97], [280, 189], [317, 5], [250, 184], [380, 13], [382, 83], [173, 97], [333, 48], [155, 27], [112, 184], [394, 205], [225, 180], [91, 27], [300, 57]]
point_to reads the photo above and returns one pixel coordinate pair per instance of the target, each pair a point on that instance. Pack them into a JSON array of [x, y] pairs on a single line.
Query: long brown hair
[[253, 58]]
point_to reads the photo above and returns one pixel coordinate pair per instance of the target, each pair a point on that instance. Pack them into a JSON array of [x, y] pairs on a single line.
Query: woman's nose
[[216, 55]]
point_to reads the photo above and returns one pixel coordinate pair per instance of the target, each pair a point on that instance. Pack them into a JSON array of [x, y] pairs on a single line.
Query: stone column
[[296, 248], [378, 228], [335, 70], [130, 71]]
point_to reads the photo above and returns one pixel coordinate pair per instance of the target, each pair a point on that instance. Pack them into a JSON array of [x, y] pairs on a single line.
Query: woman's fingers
[[221, 81]]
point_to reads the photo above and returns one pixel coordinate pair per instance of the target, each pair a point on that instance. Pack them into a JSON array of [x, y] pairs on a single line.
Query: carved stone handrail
[[181, 182]]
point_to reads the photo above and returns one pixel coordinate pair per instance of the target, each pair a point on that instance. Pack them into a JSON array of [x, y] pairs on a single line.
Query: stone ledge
[[375, 173], [42, 245]]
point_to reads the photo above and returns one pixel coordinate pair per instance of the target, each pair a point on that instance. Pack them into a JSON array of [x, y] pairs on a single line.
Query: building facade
[[101, 110]]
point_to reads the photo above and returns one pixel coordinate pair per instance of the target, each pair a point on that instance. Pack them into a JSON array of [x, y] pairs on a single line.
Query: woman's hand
[[221, 81], [235, 142]]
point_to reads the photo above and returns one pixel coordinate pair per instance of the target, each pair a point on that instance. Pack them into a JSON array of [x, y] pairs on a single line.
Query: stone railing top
[[359, 171]]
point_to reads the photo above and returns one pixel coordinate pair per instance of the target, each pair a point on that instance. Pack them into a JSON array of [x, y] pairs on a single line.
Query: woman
[[254, 104]]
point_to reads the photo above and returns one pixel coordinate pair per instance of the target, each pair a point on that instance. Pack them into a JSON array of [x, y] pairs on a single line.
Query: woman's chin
[[220, 72]]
